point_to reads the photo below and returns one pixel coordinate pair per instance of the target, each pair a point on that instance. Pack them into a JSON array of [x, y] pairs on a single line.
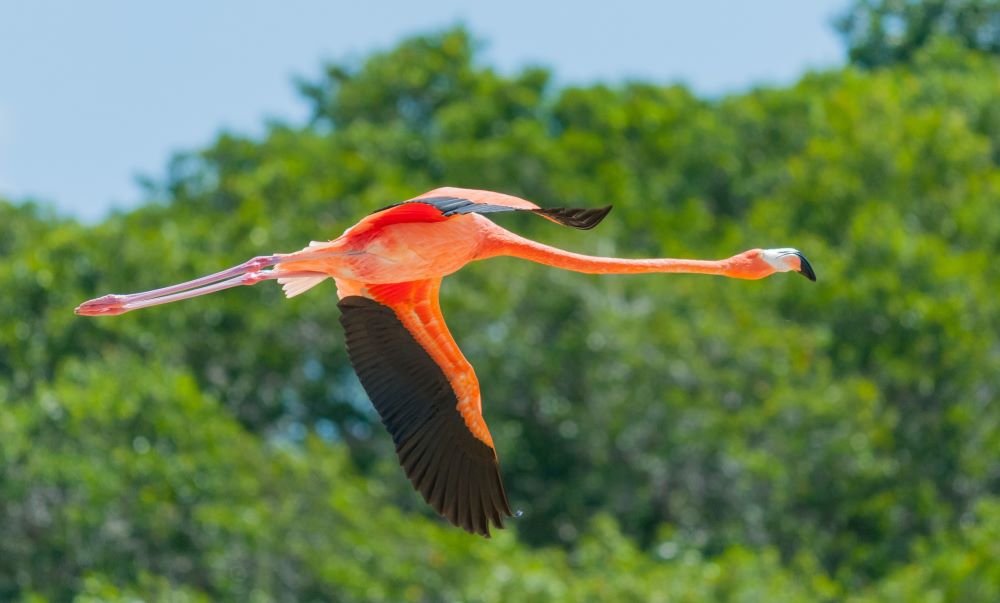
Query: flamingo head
[[758, 263]]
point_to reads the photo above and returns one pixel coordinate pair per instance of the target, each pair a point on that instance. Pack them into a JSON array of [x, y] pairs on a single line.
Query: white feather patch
[[299, 284]]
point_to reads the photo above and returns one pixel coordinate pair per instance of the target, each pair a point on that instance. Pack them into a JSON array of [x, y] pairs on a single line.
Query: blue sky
[[94, 93]]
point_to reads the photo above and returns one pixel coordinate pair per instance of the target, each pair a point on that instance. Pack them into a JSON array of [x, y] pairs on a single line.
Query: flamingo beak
[[788, 259], [805, 268]]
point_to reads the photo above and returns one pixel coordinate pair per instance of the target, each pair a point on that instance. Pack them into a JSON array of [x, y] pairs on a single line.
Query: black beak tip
[[806, 268]]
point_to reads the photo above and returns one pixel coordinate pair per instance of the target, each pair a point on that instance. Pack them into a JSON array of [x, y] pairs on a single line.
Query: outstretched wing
[[427, 396], [450, 201]]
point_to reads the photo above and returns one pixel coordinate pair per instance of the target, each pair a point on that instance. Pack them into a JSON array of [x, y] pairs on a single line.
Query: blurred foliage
[[884, 32], [669, 438]]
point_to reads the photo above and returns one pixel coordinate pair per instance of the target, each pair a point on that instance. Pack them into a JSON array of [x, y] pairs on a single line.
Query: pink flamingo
[[388, 269]]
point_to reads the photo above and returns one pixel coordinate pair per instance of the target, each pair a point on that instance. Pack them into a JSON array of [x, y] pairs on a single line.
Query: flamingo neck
[[508, 243]]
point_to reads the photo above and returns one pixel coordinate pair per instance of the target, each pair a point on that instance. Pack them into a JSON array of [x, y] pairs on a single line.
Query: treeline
[[673, 438]]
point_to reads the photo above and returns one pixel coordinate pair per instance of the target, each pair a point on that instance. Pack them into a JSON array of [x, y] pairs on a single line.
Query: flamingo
[[388, 269]]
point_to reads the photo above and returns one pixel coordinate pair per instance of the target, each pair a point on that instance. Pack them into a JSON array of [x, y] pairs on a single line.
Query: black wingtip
[[575, 217]]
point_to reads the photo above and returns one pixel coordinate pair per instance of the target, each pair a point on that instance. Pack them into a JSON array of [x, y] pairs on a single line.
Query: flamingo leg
[[251, 265], [109, 305], [112, 305]]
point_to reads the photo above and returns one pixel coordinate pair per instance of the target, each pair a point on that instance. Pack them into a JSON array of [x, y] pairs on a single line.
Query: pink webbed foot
[[106, 305]]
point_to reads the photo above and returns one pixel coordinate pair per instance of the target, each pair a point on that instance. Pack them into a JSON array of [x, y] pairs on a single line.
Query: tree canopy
[[667, 437], [883, 32]]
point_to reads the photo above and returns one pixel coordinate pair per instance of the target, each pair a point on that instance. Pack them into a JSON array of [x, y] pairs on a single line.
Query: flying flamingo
[[388, 269]]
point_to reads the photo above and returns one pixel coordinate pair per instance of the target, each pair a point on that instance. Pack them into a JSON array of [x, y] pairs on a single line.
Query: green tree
[[883, 32]]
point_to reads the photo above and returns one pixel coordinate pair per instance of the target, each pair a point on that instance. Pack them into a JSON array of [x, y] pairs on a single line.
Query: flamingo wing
[[427, 395], [451, 201]]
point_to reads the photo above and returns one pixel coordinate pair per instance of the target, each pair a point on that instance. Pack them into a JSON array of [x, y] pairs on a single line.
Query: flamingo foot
[[107, 305]]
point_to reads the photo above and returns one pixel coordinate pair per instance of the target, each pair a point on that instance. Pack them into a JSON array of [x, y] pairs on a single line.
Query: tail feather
[[299, 284]]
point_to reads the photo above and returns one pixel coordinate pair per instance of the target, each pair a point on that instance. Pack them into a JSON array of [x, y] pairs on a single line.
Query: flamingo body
[[388, 269], [429, 236]]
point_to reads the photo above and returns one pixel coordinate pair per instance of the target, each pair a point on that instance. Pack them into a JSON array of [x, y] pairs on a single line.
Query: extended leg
[[112, 305], [252, 265]]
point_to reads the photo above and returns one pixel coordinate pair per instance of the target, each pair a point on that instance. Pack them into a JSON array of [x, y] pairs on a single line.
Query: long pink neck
[[508, 243]]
